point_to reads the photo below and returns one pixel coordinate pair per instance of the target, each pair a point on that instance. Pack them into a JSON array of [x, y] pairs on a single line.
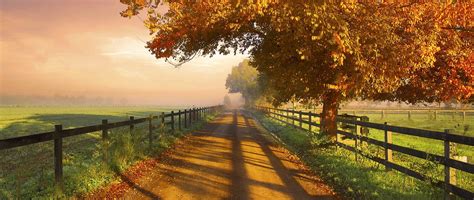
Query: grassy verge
[[431, 170], [363, 179], [28, 172]]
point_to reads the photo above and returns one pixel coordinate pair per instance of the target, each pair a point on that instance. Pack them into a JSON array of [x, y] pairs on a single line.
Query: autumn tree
[[322, 52], [243, 80]]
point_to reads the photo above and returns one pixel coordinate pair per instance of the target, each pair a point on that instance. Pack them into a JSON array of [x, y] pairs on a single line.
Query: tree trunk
[[330, 106]]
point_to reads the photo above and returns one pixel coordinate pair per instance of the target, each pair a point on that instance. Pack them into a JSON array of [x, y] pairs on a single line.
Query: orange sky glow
[[85, 48]]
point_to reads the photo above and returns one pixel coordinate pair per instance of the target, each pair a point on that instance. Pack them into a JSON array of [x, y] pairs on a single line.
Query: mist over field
[[84, 52]]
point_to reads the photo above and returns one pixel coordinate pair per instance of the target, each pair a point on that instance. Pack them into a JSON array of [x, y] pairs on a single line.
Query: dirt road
[[229, 159]]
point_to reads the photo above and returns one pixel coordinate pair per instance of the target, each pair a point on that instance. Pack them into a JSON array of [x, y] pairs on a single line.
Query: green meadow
[[28, 171], [425, 120], [19, 121]]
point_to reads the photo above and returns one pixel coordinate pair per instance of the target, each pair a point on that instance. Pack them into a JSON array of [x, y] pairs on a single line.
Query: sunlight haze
[[86, 49]]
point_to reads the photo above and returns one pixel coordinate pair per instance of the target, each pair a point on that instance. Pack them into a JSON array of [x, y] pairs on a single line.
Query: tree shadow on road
[[135, 186]]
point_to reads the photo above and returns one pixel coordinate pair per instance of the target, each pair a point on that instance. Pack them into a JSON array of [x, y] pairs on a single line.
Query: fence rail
[[432, 113], [189, 117], [449, 183]]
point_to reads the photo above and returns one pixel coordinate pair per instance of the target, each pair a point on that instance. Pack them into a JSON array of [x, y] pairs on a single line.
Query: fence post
[[409, 114], [172, 121], [105, 138], [310, 122], [195, 114], [293, 116], [435, 114], [185, 119], [383, 114], [387, 142], [179, 120], [162, 121], [463, 115], [321, 128], [58, 157], [282, 116], [131, 124], [321, 122], [356, 137], [301, 119], [150, 131], [190, 116], [447, 171]]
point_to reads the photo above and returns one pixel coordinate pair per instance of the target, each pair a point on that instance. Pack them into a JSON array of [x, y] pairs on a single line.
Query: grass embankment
[[28, 172], [363, 179]]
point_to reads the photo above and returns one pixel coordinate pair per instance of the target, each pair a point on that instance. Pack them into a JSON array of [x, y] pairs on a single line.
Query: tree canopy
[[243, 80], [328, 52]]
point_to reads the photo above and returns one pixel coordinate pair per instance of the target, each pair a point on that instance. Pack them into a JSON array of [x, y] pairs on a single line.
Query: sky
[[85, 48]]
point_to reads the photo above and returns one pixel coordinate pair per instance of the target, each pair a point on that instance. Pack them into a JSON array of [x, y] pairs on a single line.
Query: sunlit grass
[[28, 172], [18, 121], [366, 179]]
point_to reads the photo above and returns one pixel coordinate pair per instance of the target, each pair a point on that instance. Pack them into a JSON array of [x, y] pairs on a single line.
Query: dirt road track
[[229, 159]]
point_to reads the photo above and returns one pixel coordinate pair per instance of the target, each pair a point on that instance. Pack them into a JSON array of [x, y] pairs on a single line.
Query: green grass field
[[425, 120], [18, 121], [419, 120], [27, 172]]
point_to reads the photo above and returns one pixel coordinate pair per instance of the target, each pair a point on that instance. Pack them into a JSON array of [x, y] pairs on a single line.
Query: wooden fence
[[186, 118], [433, 114], [409, 113], [449, 183]]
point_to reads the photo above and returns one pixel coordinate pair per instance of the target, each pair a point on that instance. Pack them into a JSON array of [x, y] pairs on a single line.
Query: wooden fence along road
[[409, 113], [430, 112], [186, 117], [358, 125]]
